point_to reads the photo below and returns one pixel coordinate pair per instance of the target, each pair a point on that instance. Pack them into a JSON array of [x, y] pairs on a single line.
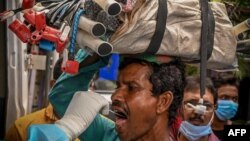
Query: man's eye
[[208, 105], [130, 87], [235, 99], [193, 102], [223, 97]]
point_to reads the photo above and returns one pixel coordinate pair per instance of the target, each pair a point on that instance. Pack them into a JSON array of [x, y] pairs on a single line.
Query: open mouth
[[121, 116]]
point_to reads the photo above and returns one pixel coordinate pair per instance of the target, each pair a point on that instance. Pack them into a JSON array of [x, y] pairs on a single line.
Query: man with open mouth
[[145, 101]]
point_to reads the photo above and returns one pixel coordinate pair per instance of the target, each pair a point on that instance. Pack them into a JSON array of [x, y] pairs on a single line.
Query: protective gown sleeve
[[65, 87], [46, 132], [60, 96], [101, 129]]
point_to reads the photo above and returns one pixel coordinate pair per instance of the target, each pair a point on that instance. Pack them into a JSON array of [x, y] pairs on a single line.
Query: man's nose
[[118, 95]]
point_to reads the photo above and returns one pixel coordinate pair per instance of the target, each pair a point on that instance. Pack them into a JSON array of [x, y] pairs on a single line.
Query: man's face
[[228, 92], [188, 111], [133, 99]]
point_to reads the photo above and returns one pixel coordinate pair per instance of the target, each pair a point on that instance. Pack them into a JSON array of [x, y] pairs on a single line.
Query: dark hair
[[224, 78], [57, 71], [164, 77], [193, 84]]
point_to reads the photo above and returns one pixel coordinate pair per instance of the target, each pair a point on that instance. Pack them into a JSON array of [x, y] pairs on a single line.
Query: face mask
[[193, 132], [226, 109]]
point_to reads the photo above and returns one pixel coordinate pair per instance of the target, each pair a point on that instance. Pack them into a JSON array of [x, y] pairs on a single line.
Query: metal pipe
[[92, 27], [241, 27], [112, 7], [101, 47]]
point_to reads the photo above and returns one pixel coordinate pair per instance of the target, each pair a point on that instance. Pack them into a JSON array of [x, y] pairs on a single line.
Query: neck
[[159, 132], [218, 124]]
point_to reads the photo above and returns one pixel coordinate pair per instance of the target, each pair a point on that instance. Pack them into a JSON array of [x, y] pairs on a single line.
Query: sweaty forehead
[[134, 71]]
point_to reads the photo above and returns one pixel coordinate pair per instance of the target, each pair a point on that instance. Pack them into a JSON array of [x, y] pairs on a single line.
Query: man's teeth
[[120, 114], [116, 112]]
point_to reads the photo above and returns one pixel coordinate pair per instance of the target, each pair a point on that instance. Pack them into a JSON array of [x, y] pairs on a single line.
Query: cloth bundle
[[182, 33]]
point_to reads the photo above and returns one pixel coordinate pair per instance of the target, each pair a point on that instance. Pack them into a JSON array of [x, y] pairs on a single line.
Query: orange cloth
[[18, 131]]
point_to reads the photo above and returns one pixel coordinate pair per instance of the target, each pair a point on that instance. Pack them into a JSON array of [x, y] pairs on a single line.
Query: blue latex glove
[[46, 132]]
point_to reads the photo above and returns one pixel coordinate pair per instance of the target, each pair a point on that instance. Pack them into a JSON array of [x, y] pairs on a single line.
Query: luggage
[[182, 35]]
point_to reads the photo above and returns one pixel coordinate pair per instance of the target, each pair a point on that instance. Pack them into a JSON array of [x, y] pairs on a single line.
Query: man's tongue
[[120, 124]]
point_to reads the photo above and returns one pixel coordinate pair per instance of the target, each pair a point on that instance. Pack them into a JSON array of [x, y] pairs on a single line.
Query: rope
[[75, 30]]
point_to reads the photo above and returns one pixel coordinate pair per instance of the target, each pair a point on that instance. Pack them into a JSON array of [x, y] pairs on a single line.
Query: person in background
[[18, 131], [226, 85], [197, 111]]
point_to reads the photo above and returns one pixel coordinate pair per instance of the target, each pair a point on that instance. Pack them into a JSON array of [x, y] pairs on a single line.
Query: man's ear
[[164, 102]]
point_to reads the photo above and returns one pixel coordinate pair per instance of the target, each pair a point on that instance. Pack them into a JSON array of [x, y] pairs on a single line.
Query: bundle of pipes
[[96, 25], [56, 24], [99, 20]]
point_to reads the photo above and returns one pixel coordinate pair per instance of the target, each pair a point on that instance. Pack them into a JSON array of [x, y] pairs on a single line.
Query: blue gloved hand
[[46, 132]]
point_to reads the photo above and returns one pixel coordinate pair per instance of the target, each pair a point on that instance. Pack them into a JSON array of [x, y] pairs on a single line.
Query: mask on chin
[[226, 110], [193, 132]]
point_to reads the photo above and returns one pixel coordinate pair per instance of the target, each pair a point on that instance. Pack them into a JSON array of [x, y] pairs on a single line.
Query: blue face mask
[[226, 110], [193, 132]]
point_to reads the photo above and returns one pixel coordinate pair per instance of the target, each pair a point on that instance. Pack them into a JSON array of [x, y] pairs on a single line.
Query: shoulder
[[30, 118], [18, 130]]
